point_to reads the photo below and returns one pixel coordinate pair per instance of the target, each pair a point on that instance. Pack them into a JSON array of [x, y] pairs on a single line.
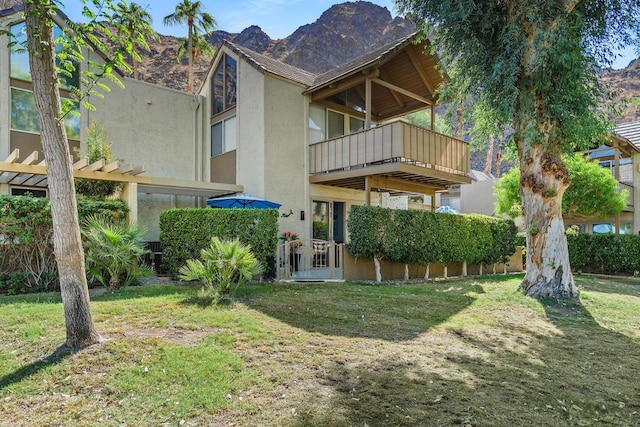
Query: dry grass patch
[[461, 352]]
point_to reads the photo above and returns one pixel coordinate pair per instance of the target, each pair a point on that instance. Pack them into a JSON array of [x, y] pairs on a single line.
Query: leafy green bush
[[113, 251], [222, 264], [419, 237], [185, 232], [26, 230]]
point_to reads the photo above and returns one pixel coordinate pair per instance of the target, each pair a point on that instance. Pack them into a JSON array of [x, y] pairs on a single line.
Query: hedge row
[[419, 237], [601, 253], [185, 232], [27, 263]]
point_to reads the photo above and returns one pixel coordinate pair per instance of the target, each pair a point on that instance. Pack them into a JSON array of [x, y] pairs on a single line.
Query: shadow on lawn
[[609, 284], [60, 354], [580, 374], [387, 312]]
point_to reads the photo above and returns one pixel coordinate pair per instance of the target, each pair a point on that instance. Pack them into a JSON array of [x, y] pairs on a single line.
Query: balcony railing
[[393, 142]]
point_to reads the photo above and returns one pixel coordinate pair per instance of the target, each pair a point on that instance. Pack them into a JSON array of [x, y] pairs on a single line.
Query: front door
[[328, 221]]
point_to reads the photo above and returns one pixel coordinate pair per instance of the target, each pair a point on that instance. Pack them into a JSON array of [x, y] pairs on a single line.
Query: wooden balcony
[[396, 157]]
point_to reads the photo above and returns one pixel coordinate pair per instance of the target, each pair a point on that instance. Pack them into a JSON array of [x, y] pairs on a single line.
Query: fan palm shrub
[[222, 264], [113, 251]]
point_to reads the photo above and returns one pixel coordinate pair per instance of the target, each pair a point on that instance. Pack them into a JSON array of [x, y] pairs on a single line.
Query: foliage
[[201, 47], [135, 26], [605, 253], [26, 230], [198, 23], [419, 237], [98, 148], [185, 232], [113, 251], [593, 192], [222, 264]]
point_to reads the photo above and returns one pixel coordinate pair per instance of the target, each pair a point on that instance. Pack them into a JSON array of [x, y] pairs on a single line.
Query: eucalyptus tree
[[41, 46], [138, 23], [534, 64], [191, 13]]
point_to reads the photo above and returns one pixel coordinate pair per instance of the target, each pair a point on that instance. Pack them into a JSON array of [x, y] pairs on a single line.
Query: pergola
[[33, 173]]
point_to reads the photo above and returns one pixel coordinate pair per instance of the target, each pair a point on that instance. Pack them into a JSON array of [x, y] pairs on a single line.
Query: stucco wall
[[250, 117], [478, 197]]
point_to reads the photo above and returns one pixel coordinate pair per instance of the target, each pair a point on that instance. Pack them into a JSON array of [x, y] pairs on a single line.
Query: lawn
[[467, 352]]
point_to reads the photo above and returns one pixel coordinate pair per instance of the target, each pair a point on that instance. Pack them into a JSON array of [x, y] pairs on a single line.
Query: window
[[355, 124], [335, 124], [317, 124], [23, 191], [24, 116], [20, 57], [223, 136], [224, 85]]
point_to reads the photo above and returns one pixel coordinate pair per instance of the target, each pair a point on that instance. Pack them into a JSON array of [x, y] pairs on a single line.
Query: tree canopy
[[593, 192]]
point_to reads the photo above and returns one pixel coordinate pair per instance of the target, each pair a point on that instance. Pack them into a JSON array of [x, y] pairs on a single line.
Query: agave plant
[[222, 264], [113, 251]]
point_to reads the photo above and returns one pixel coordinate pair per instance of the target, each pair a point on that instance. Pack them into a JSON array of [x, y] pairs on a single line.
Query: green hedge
[[606, 253], [185, 232], [27, 263], [419, 237]]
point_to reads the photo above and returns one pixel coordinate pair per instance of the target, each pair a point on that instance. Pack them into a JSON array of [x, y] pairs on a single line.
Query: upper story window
[[326, 124], [24, 117], [223, 136], [224, 85], [20, 57]]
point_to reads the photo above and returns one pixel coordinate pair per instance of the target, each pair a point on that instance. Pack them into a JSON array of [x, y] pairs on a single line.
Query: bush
[[27, 248], [222, 264], [419, 237], [185, 232], [113, 251]]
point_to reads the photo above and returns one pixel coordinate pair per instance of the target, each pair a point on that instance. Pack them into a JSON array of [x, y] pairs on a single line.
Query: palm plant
[[201, 47], [113, 251], [137, 23], [190, 12], [223, 263]]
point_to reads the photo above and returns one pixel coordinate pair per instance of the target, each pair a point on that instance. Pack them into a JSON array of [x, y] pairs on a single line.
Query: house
[[317, 144]]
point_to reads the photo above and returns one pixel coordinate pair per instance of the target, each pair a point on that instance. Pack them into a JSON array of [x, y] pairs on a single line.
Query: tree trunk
[[426, 272], [376, 263], [191, 54], [543, 182], [66, 231], [499, 158], [406, 272], [488, 163]]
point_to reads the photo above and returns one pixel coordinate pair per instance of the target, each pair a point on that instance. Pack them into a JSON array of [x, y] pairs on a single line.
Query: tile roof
[[265, 64], [630, 131]]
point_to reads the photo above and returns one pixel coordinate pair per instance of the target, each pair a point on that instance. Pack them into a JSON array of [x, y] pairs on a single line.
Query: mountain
[[626, 84], [342, 33]]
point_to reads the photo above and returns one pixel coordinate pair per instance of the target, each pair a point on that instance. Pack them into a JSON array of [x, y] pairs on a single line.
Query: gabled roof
[[265, 64], [376, 57]]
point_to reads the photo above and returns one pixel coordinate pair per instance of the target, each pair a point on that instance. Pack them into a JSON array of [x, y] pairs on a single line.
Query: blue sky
[[277, 18]]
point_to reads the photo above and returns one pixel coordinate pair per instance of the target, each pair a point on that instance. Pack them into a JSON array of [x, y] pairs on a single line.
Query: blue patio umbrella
[[242, 201], [446, 209]]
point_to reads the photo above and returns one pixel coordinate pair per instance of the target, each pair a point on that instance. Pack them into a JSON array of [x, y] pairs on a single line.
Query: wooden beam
[[403, 91], [95, 166], [367, 190], [393, 93], [111, 167], [338, 87], [81, 163], [367, 104], [389, 183], [31, 159], [415, 60], [13, 157], [125, 168], [341, 108]]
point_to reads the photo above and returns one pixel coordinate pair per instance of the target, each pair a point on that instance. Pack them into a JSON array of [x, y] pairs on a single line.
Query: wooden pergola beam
[[413, 57], [403, 91]]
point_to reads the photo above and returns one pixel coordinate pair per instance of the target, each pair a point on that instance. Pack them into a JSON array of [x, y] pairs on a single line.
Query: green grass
[[470, 352]]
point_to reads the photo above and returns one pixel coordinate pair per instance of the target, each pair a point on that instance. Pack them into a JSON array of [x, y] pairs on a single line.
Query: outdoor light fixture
[[301, 215]]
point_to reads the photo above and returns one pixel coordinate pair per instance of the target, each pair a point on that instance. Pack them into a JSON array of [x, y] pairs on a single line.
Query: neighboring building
[[317, 144], [621, 155]]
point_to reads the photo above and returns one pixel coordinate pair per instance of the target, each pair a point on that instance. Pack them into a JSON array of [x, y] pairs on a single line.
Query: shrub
[[113, 251], [185, 232], [222, 264]]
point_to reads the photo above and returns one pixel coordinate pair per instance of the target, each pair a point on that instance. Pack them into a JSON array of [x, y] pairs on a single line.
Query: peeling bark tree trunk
[[543, 182], [426, 272], [488, 163], [376, 263], [66, 231]]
